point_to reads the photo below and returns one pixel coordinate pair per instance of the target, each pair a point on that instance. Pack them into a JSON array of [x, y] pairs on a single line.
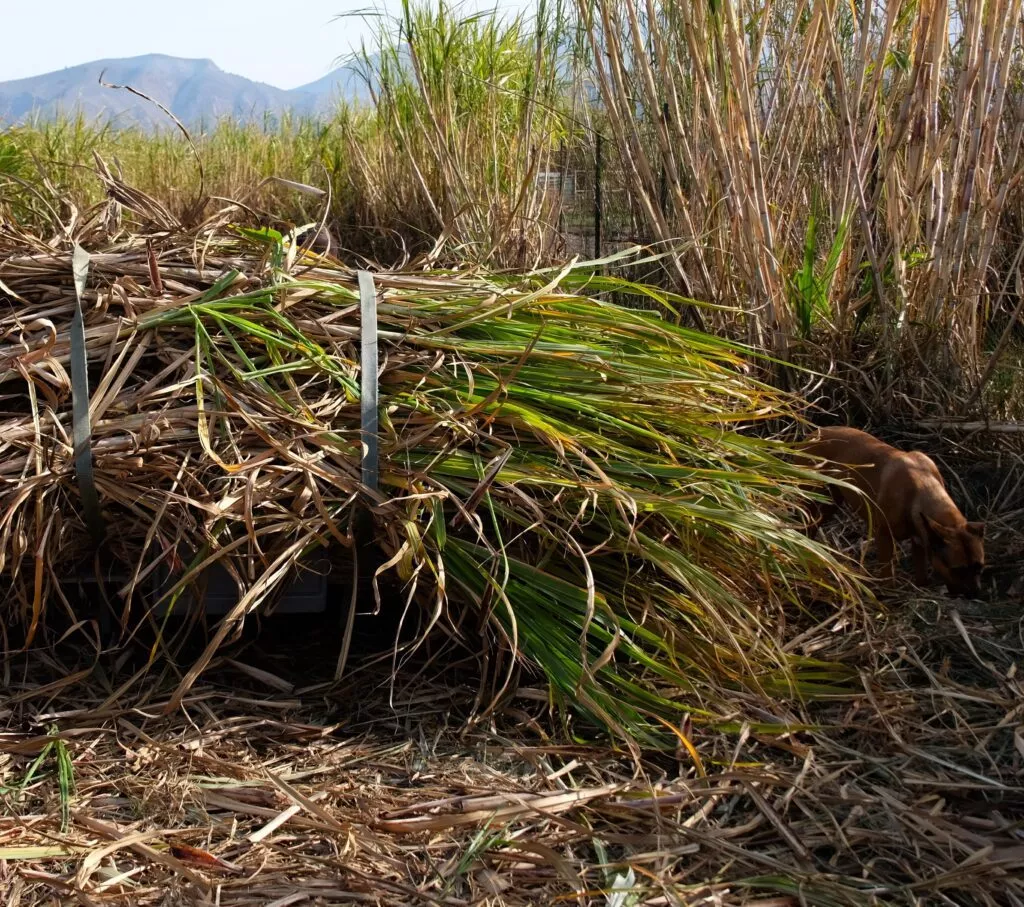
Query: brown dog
[[904, 497]]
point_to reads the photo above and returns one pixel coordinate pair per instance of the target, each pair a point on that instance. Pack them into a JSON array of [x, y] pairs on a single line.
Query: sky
[[283, 43]]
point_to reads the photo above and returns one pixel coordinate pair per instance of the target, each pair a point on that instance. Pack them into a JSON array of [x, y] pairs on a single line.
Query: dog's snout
[[970, 588]]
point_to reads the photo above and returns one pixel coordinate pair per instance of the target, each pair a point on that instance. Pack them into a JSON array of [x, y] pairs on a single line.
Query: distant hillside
[[344, 83], [195, 90]]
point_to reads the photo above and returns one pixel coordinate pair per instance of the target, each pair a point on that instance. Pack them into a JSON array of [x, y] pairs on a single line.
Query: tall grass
[[842, 170], [474, 107], [467, 109], [845, 178], [236, 157]]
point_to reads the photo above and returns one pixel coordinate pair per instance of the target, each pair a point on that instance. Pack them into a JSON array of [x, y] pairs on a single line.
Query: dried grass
[[909, 794], [851, 174]]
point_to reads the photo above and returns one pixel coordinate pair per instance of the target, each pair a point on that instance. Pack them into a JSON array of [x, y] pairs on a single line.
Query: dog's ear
[[976, 529], [938, 535]]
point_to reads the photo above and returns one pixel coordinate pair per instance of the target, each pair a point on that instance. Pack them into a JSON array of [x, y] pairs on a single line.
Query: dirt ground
[[272, 786]]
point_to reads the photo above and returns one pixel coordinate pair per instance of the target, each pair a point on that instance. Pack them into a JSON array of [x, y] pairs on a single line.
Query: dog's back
[[856, 457]]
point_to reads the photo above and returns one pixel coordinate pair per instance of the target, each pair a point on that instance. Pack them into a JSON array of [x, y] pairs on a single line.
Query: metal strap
[[82, 430], [368, 379]]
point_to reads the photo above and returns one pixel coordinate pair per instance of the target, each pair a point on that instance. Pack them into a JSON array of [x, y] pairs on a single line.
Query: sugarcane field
[[569, 454]]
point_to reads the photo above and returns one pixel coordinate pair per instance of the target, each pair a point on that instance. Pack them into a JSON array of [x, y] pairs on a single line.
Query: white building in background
[[557, 181]]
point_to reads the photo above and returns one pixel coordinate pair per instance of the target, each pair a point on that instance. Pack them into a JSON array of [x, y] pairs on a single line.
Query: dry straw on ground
[[262, 792]]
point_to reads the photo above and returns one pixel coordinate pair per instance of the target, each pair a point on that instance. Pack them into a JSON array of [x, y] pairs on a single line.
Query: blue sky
[[276, 41]]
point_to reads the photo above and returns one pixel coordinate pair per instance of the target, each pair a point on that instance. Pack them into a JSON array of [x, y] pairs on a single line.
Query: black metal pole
[[562, 164], [597, 197]]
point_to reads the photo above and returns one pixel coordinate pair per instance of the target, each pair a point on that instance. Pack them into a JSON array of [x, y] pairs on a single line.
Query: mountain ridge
[[195, 90]]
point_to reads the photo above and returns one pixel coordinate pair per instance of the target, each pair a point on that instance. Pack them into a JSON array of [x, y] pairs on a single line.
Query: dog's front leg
[[885, 548], [919, 552]]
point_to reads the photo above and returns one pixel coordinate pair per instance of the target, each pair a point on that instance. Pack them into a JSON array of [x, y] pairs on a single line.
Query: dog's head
[[957, 555]]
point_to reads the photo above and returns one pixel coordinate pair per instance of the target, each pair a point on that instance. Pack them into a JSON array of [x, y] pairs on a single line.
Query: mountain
[[322, 96], [196, 91]]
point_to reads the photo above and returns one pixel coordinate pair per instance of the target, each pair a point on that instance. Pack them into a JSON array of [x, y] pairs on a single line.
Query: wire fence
[[587, 203]]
